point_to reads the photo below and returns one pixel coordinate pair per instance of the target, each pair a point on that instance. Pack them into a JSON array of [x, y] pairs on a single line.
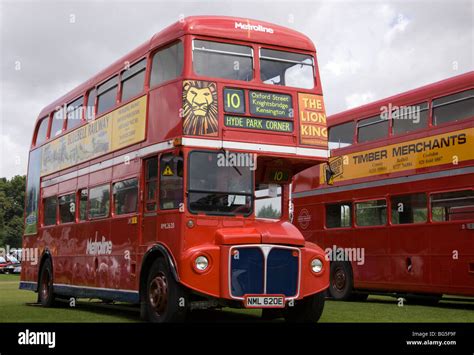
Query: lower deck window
[[50, 204], [339, 215], [99, 201], [268, 201], [125, 196], [409, 209], [452, 206], [67, 208], [371, 213]]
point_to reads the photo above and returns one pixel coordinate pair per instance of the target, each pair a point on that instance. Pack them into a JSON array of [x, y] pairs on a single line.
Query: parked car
[[14, 267], [4, 264]]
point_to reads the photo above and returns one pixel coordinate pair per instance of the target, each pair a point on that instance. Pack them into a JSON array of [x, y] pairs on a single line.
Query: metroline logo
[[99, 247], [249, 27]]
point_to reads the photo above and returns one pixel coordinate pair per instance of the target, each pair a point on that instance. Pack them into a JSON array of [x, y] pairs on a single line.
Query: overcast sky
[[367, 50]]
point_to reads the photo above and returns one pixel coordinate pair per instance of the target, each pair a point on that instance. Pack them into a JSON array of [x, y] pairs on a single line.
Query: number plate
[[268, 301]]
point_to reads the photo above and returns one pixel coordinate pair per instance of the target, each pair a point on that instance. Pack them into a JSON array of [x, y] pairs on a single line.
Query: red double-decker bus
[[164, 179], [394, 206]]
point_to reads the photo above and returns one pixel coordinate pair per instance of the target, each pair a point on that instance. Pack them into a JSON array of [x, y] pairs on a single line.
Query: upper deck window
[[90, 109], [372, 128], [222, 60], [410, 118], [74, 113], [133, 79], [58, 123], [286, 69], [42, 131], [106, 95], [453, 107], [167, 64], [342, 135]]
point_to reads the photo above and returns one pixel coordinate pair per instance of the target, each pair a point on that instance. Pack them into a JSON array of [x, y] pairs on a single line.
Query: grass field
[[19, 306]]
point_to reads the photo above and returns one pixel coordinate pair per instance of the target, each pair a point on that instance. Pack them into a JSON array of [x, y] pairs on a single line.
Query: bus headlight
[[201, 263], [316, 265]]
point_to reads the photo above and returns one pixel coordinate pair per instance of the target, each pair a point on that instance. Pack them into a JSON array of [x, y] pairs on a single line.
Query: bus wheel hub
[[158, 293], [339, 279]]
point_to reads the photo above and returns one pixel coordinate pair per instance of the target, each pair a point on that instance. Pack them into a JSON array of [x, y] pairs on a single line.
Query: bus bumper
[[237, 271]]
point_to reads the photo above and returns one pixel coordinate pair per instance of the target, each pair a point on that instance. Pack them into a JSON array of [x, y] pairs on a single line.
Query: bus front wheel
[[165, 299], [307, 310], [341, 281], [45, 290]]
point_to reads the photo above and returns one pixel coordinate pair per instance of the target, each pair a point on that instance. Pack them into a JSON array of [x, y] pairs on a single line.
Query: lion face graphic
[[200, 108]]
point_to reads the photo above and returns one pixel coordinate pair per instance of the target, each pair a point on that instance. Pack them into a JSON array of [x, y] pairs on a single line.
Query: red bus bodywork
[[177, 235], [433, 257]]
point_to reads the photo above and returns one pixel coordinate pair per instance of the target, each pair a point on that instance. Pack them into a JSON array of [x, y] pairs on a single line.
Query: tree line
[[12, 199]]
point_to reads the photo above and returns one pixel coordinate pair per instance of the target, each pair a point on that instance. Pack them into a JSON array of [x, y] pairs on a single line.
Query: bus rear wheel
[[307, 310], [45, 290], [165, 299]]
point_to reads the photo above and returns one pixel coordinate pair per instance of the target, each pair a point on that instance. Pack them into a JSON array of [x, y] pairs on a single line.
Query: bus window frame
[[178, 154], [412, 224], [186, 200], [387, 207], [426, 101], [120, 82], [352, 207], [152, 53], [288, 50], [83, 96], [97, 94], [354, 134], [94, 106], [253, 46], [78, 205], [89, 217], [48, 127], [145, 180], [430, 216], [63, 129], [42, 225], [74, 193], [432, 107], [357, 126], [112, 196]]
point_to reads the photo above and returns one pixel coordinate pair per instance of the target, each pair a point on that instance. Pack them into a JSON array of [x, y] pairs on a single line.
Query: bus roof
[[235, 28], [408, 97]]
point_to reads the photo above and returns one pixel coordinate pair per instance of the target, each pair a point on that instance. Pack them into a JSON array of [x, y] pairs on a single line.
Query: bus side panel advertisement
[[447, 148], [115, 130], [313, 127], [200, 108]]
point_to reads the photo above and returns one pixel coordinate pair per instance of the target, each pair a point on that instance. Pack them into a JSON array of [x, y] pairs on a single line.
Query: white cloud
[[398, 28], [358, 99], [340, 66], [14, 157]]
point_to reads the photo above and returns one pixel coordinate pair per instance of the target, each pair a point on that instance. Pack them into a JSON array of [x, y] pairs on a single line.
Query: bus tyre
[[45, 290], [341, 281], [165, 299], [307, 310]]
